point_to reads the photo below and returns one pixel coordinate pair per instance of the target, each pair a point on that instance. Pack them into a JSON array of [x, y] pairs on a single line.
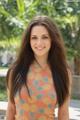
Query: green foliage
[[3, 95], [2, 83], [10, 44], [14, 16], [3, 92], [20, 6], [70, 53]]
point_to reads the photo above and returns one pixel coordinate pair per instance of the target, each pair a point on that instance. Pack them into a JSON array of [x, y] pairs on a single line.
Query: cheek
[[49, 44], [49, 47], [31, 43]]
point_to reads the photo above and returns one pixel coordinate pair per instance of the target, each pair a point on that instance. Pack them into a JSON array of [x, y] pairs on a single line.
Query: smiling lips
[[40, 48]]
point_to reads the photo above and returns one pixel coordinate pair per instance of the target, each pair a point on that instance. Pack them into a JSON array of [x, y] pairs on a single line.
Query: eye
[[45, 37], [34, 38]]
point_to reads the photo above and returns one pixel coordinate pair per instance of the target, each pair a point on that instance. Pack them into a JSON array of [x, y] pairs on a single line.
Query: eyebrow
[[42, 35]]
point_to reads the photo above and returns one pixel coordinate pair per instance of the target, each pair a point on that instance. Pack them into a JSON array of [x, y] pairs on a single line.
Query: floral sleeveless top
[[43, 100]]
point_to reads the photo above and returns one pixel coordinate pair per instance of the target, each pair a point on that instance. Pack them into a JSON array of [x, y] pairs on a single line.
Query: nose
[[39, 42]]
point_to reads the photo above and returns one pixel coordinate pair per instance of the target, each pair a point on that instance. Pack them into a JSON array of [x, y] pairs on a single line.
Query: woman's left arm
[[63, 111]]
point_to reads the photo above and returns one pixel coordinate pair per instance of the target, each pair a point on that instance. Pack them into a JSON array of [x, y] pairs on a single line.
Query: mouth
[[40, 48]]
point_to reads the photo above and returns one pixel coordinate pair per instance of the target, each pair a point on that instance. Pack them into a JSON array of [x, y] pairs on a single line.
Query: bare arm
[[63, 111], [11, 111]]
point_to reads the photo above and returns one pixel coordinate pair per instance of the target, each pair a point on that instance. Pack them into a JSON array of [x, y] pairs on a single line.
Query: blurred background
[[14, 17]]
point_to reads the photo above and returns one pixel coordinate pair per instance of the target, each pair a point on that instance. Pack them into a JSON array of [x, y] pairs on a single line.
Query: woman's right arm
[[11, 111]]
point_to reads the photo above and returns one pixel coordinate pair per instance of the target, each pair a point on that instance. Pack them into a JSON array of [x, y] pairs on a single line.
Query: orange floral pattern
[[43, 100]]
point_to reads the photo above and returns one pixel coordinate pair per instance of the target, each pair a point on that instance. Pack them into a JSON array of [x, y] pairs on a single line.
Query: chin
[[40, 55]]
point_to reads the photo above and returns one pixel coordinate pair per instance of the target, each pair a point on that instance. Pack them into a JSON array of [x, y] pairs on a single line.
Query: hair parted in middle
[[56, 60]]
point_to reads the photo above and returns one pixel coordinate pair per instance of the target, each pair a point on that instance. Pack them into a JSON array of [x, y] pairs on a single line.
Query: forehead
[[39, 29]]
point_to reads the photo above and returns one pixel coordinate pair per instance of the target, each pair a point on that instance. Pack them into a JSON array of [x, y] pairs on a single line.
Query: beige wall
[[76, 87]]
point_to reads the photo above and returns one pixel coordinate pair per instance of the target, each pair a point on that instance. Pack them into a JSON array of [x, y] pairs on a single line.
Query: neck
[[41, 61]]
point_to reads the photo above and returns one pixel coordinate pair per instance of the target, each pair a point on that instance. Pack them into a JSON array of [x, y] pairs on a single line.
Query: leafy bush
[[9, 44], [3, 92]]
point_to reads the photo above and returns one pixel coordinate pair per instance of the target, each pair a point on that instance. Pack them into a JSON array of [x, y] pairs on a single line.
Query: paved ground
[[74, 110]]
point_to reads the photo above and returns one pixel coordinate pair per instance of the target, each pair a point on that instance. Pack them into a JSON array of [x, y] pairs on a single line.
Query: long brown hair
[[56, 60]]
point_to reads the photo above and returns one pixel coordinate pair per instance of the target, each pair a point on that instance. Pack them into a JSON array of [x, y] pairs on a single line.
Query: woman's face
[[40, 41]]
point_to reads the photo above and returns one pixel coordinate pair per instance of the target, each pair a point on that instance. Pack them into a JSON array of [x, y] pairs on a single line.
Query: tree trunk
[[77, 65]]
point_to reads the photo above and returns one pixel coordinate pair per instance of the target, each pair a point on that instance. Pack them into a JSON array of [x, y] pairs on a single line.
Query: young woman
[[40, 78]]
